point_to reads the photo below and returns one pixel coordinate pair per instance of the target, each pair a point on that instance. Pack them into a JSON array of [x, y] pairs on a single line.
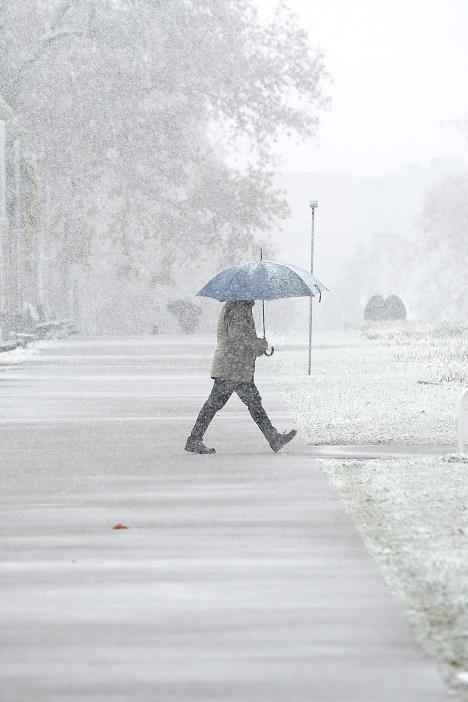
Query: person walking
[[233, 371]]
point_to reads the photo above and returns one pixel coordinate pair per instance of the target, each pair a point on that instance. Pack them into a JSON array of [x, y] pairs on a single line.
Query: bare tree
[[132, 105]]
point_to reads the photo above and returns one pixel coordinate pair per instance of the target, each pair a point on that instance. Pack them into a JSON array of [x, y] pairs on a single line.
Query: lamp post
[[3, 228], [16, 241], [313, 207]]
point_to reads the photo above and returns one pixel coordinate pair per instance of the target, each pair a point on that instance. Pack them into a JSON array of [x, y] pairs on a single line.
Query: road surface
[[240, 577]]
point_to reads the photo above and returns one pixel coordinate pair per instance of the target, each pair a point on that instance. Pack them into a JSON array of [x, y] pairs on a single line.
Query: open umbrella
[[262, 280]]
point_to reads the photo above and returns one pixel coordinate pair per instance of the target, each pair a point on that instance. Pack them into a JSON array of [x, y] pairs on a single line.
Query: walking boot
[[280, 440], [194, 445]]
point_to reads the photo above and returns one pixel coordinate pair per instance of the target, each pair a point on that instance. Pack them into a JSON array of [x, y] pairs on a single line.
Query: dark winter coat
[[238, 343]]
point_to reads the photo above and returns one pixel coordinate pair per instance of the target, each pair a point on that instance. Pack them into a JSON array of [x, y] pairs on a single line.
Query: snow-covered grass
[[386, 383], [397, 384], [18, 355], [9, 358], [413, 516]]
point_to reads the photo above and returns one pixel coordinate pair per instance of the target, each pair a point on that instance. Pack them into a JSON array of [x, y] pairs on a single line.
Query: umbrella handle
[[265, 353]]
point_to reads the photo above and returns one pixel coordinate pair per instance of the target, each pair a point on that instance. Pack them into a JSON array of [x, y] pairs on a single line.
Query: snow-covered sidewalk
[[240, 576], [413, 515]]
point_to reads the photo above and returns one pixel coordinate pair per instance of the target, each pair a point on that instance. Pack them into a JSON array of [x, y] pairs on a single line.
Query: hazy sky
[[399, 83]]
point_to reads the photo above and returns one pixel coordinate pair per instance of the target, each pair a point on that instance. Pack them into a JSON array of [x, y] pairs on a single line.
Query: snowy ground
[[413, 516], [398, 385], [388, 384], [12, 358], [240, 577]]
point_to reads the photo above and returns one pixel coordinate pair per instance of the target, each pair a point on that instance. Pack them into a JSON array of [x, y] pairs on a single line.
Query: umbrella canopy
[[262, 280]]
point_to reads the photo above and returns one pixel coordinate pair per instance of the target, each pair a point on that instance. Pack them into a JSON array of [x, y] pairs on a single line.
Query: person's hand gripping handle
[[266, 352]]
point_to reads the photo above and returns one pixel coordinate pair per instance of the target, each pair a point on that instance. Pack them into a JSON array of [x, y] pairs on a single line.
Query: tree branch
[[46, 43]]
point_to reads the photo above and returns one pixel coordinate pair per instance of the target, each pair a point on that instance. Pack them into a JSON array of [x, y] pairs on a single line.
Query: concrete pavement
[[240, 578]]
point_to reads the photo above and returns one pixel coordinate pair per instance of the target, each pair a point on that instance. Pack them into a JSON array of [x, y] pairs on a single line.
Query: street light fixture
[[313, 206]]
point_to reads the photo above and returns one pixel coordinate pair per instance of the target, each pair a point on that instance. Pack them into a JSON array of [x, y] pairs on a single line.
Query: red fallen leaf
[[120, 526]]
